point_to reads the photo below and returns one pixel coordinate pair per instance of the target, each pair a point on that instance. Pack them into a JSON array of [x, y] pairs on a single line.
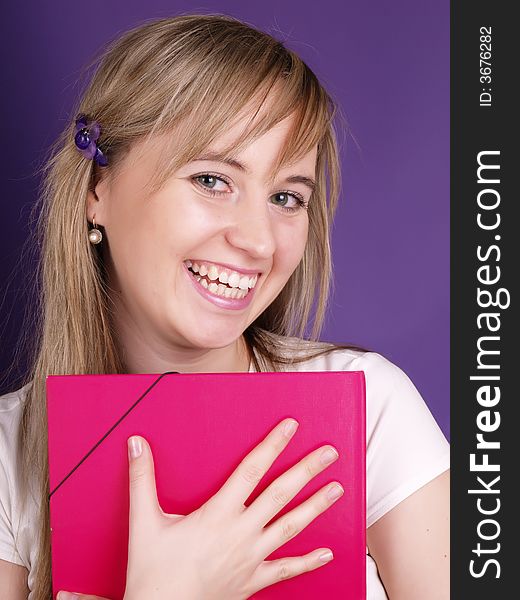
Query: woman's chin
[[207, 336]]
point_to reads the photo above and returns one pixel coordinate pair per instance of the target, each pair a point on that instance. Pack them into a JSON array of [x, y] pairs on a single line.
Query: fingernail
[[335, 492], [134, 447], [67, 596], [326, 556], [328, 456], [290, 427]]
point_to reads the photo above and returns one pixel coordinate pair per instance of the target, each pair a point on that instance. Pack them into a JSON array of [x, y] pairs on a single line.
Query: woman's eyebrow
[[308, 181], [222, 158], [218, 157]]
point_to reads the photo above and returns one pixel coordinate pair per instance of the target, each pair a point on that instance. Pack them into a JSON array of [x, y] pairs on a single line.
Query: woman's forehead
[[260, 150], [256, 153]]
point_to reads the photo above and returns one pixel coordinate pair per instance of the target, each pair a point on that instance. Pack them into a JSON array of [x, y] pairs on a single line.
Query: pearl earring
[[94, 235]]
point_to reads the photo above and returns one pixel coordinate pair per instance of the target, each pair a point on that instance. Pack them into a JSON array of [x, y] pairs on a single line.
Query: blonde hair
[[190, 73]]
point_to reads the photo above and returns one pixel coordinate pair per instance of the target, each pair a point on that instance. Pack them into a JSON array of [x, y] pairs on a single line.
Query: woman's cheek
[[292, 243]]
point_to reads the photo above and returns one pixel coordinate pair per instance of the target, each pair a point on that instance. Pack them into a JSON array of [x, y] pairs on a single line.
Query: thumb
[[143, 492]]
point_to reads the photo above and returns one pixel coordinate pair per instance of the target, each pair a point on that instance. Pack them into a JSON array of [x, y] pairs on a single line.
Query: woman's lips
[[220, 301]]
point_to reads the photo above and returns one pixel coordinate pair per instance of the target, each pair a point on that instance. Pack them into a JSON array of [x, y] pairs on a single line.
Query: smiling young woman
[[213, 212]]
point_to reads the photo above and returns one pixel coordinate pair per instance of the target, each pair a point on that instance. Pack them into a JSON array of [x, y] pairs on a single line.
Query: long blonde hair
[[194, 70]]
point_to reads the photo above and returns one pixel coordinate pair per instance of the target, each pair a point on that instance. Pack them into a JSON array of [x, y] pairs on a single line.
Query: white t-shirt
[[405, 450]]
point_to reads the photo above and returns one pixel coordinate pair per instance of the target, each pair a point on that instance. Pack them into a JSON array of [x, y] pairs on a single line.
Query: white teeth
[[234, 279], [222, 290], [213, 273]]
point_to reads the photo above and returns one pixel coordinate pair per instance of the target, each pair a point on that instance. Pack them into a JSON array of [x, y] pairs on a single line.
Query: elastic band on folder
[[111, 429]]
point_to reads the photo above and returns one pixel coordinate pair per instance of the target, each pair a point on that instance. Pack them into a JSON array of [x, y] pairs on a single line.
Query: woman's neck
[[143, 359]]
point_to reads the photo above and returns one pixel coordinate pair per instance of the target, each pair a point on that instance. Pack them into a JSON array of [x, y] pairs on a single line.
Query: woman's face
[[193, 265]]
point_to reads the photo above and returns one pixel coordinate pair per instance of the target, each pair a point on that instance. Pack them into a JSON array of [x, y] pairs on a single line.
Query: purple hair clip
[[85, 140]]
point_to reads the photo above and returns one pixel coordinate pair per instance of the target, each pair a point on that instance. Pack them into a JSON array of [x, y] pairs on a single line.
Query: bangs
[[283, 88]]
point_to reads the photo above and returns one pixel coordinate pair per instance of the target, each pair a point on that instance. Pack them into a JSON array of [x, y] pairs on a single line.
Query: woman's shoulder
[[327, 356], [11, 405], [12, 402], [16, 534]]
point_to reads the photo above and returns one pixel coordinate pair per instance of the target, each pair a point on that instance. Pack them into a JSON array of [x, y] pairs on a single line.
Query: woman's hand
[[218, 550]]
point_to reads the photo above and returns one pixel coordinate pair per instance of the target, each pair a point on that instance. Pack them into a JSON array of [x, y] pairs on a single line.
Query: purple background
[[386, 63]]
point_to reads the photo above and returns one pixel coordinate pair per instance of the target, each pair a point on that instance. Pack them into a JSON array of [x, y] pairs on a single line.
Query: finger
[[295, 521], [253, 467], [274, 571], [76, 596], [286, 486], [144, 504]]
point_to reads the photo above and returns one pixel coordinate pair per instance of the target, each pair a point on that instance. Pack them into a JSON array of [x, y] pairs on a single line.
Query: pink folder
[[199, 427]]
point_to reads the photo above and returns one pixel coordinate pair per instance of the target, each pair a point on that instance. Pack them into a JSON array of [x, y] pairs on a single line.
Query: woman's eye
[[210, 181], [288, 202], [281, 199]]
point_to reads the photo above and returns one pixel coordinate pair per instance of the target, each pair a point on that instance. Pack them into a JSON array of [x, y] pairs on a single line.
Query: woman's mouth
[[223, 286]]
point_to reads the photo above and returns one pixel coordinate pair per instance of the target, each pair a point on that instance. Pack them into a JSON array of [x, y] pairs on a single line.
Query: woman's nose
[[252, 231]]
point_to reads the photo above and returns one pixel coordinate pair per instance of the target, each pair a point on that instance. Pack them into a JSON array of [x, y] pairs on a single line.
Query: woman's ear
[[97, 200]]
